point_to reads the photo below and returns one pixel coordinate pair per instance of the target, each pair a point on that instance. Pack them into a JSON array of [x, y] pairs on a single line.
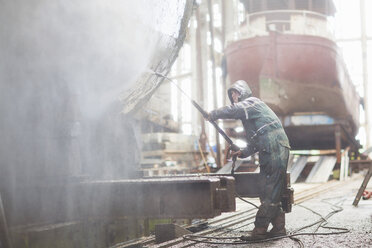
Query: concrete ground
[[356, 220]]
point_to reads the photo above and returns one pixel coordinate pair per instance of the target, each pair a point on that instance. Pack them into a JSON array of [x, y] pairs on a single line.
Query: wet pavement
[[334, 205], [357, 220]]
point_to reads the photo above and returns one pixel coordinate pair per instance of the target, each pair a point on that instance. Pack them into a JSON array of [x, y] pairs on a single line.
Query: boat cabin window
[[325, 7], [302, 4]]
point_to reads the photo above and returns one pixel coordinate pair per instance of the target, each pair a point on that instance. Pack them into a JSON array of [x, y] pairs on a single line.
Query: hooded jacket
[[263, 129]]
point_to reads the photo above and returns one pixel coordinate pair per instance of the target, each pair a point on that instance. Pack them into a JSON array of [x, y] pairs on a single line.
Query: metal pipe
[[338, 143], [365, 71], [199, 73], [211, 30]]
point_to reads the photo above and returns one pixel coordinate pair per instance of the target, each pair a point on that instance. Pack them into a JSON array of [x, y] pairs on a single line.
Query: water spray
[[232, 146]]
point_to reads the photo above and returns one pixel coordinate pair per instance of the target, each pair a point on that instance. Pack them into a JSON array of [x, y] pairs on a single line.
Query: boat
[[287, 53]]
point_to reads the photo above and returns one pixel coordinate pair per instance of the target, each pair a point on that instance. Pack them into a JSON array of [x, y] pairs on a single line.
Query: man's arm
[[235, 111], [248, 151]]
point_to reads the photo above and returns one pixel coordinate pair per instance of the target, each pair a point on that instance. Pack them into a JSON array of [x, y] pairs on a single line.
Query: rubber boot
[[278, 226], [258, 233]]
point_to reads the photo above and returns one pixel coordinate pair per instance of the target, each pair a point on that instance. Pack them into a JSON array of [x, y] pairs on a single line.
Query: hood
[[242, 87]]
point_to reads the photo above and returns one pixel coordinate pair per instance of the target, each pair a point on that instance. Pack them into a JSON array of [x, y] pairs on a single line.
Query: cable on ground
[[235, 240]]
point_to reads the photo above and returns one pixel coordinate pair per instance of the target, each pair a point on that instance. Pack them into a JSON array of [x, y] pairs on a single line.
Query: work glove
[[238, 153], [211, 116]]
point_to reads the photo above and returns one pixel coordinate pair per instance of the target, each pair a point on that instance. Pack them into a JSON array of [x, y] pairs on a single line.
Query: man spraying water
[[265, 135]]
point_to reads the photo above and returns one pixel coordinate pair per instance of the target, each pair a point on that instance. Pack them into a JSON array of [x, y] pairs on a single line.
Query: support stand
[[363, 186]]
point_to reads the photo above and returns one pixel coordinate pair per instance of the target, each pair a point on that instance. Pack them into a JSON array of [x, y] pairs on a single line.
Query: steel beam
[[249, 184], [186, 197]]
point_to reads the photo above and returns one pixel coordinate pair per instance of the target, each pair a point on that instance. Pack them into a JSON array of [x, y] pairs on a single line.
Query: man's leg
[[273, 167], [278, 225], [268, 208], [265, 214], [278, 221]]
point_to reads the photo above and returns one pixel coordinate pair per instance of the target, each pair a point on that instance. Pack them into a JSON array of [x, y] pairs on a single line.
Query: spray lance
[[232, 146]]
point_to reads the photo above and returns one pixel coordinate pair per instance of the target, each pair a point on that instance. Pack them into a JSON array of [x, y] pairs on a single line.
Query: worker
[[265, 135]]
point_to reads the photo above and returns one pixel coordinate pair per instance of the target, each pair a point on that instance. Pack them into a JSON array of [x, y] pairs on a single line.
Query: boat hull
[[297, 74]]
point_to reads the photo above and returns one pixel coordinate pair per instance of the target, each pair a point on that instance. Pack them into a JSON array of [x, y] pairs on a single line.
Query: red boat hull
[[296, 74]]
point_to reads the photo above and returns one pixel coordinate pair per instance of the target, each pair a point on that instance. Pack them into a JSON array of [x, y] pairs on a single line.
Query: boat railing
[[284, 21]]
